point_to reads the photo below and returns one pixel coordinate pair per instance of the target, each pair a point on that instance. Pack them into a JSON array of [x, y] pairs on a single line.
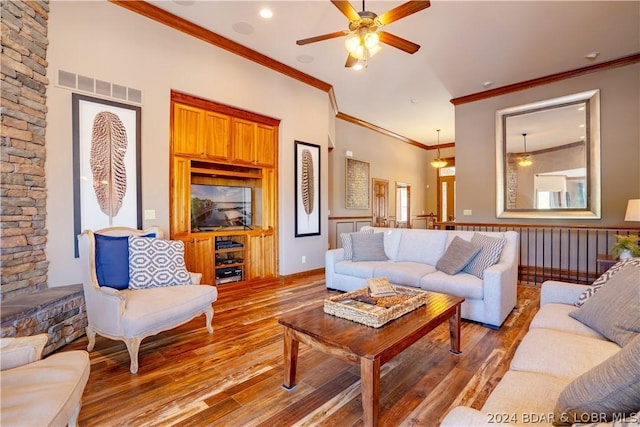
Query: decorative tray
[[376, 311]]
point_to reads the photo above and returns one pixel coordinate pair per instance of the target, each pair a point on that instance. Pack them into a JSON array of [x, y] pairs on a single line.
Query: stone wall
[[23, 236]]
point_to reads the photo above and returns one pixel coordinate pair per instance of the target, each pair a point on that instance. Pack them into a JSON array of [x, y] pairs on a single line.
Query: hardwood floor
[[233, 377]]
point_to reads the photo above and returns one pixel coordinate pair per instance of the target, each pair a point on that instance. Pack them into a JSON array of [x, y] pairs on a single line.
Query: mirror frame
[[593, 208]]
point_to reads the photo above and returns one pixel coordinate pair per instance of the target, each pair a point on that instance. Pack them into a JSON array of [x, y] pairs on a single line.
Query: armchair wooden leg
[[91, 335], [209, 319], [133, 345]]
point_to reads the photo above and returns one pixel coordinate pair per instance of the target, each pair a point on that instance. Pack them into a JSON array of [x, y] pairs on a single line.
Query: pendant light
[[525, 160], [438, 162]]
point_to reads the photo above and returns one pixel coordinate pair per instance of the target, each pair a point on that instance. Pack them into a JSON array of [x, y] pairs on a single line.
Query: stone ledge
[[59, 312], [30, 304]]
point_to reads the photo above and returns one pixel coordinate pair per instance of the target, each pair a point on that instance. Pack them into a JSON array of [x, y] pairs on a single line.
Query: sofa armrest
[[21, 350], [331, 258], [465, 416], [554, 291], [500, 283]]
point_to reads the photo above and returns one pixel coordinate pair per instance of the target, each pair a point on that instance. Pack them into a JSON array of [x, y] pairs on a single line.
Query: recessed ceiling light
[[242, 28], [305, 59], [592, 55], [266, 13], [184, 2], [414, 101], [487, 83]]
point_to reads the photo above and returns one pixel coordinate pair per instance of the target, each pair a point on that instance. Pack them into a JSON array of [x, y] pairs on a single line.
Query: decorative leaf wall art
[[108, 149], [306, 181], [107, 179], [307, 188]]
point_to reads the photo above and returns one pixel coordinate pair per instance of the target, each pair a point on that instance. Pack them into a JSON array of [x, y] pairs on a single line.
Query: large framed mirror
[[548, 158]]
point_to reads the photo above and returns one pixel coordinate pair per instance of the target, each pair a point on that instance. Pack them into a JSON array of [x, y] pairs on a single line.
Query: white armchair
[[128, 314], [40, 392]]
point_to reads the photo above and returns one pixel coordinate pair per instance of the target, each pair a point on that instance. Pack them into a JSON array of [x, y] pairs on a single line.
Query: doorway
[[403, 205], [380, 202], [447, 192]]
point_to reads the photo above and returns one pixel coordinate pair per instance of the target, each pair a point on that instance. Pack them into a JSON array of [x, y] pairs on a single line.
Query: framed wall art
[[307, 185], [357, 182], [106, 165]]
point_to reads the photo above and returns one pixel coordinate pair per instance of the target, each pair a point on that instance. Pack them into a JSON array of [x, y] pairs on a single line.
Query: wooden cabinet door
[[215, 138], [180, 193], [262, 256], [265, 147], [199, 258], [243, 135], [187, 130]]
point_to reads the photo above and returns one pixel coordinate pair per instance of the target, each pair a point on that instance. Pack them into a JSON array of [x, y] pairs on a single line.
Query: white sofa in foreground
[[411, 258], [565, 372]]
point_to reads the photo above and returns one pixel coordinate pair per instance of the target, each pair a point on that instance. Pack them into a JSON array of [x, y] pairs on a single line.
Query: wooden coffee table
[[365, 346]]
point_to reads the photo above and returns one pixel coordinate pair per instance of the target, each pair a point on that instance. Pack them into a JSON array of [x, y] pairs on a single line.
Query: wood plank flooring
[[233, 377]]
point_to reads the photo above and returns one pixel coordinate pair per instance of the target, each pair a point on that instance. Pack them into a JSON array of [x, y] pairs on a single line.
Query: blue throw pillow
[[112, 260]]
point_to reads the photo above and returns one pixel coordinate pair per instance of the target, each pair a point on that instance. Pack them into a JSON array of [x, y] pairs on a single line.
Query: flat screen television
[[220, 206]]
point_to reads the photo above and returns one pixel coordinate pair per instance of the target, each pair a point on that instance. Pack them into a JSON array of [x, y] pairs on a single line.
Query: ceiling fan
[[364, 38]]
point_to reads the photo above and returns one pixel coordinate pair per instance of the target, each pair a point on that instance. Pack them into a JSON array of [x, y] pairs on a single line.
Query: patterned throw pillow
[[458, 254], [156, 263], [608, 389], [597, 284], [347, 243], [489, 254]]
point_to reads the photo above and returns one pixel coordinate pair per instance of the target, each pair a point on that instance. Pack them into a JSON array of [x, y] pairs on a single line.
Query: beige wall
[[389, 159], [102, 40], [620, 144]]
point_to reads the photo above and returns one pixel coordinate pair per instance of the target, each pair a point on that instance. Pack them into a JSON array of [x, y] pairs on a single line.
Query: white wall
[[104, 41], [619, 136]]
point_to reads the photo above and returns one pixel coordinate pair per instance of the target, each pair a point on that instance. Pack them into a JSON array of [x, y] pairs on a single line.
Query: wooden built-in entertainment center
[[216, 145]]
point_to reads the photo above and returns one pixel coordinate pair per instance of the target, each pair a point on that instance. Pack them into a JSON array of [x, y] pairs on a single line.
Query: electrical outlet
[[149, 214], [467, 212], [304, 259]]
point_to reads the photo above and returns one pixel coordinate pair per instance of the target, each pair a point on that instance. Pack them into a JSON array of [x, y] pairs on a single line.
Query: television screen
[[218, 206]]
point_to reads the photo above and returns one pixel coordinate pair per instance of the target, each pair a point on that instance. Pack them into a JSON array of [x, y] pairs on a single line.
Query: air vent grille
[[74, 81]]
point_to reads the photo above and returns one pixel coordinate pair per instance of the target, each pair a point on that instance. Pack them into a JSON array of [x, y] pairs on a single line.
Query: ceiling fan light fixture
[[352, 43], [371, 40]]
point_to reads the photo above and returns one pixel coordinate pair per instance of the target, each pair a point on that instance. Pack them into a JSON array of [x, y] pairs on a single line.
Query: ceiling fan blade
[[403, 10], [322, 37], [398, 42], [346, 9], [351, 61]]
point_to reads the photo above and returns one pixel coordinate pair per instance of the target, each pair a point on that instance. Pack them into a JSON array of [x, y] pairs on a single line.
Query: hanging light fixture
[[438, 162], [362, 45], [525, 160]]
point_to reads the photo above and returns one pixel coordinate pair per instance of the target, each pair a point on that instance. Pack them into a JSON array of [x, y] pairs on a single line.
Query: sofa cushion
[[613, 310], [462, 284], [404, 273], [156, 263], [457, 256], [611, 387], [423, 246], [523, 394], [157, 309], [597, 284], [556, 316], [347, 245], [579, 353], [491, 248], [363, 270], [368, 247]]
